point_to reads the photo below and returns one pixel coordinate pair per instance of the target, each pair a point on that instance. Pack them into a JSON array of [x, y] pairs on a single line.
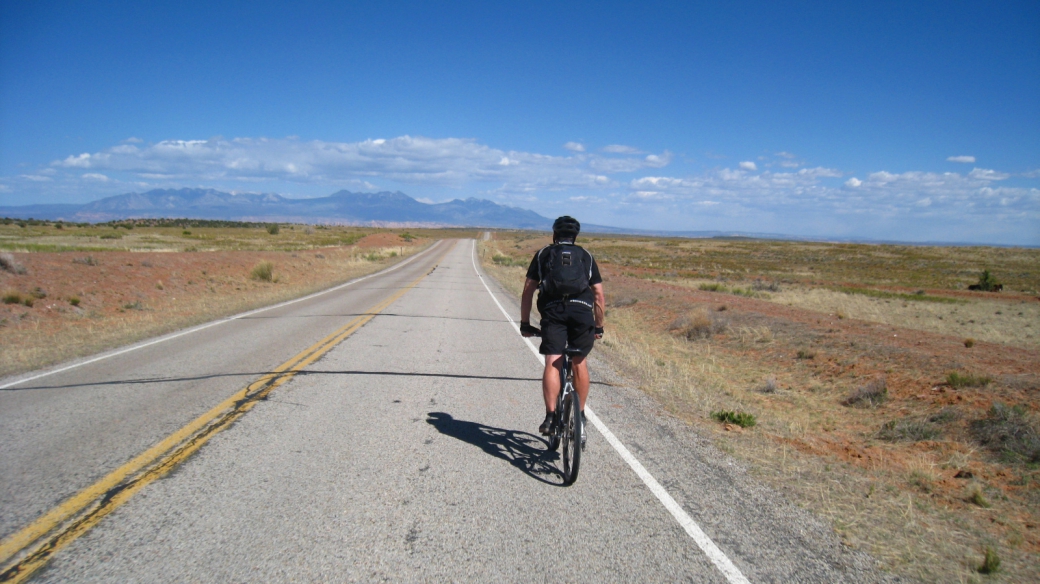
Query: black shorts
[[567, 324]]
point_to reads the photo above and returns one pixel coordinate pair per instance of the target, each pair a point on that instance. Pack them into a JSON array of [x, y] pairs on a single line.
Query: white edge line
[[716, 555], [215, 323]]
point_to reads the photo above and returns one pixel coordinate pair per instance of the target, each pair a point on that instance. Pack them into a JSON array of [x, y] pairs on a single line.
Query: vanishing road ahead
[[382, 430]]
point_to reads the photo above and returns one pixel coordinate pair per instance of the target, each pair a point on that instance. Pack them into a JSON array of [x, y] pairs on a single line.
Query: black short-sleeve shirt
[[533, 271]]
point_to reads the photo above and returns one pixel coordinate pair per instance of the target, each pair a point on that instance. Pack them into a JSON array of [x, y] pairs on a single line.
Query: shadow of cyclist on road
[[525, 451]]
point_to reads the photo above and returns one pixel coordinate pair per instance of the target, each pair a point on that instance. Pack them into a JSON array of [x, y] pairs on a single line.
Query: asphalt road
[[407, 452]]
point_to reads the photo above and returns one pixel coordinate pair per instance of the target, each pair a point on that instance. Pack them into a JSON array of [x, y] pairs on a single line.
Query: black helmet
[[566, 226]]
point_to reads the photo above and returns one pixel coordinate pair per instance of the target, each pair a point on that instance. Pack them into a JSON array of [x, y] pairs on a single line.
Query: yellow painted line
[[83, 510]]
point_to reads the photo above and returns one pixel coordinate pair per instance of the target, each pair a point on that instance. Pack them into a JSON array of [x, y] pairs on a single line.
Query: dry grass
[[698, 324], [870, 395], [785, 263], [9, 264], [878, 508], [1015, 322], [996, 320], [263, 271], [1011, 432]]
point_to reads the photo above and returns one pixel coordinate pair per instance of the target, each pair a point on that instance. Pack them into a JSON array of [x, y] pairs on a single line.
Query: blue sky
[[889, 120]]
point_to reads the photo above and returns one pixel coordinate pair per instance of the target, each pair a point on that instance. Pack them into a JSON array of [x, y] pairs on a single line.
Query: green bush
[[273, 229], [990, 562], [987, 282], [74, 300], [504, 260], [959, 380], [12, 297], [742, 419], [977, 497], [264, 271]]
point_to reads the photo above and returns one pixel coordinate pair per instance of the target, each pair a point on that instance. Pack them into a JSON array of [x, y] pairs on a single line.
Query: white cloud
[[81, 161], [986, 174], [963, 159], [658, 161], [36, 177], [783, 160], [748, 165], [820, 171], [613, 165], [447, 162], [621, 149], [575, 146], [133, 140], [95, 176], [881, 194]]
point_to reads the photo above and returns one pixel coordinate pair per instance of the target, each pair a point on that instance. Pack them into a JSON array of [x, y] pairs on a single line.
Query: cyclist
[[571, 302]]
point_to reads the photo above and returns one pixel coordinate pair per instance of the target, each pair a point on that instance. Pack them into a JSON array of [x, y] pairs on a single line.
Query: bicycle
[[568, 426]]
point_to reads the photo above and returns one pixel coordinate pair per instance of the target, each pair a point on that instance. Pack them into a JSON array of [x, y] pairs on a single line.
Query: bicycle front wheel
[[571, 438]]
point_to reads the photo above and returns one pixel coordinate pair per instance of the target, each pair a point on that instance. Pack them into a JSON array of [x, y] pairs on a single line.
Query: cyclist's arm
[[525, 299], [599, 306]]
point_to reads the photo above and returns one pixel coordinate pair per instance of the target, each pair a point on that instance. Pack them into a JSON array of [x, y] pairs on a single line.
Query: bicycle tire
[[554, 438], [571, 437]]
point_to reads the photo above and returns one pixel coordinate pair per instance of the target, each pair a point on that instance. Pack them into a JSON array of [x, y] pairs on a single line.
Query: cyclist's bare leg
[[551, 381], [581, 378]]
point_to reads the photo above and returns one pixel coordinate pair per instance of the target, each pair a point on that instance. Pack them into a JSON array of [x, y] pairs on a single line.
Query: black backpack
[[565, 271]]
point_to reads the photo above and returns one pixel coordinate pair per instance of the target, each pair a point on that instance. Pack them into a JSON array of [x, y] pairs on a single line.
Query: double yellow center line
[[26, 551]]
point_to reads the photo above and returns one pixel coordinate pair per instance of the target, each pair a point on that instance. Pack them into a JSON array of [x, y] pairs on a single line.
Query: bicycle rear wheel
[[554, 438], [571, 437]]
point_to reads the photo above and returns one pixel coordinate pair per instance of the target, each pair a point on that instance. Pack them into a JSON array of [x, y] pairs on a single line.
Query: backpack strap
[[541, 276]]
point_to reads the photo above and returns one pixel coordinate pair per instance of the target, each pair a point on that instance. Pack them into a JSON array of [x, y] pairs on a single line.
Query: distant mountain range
[[344, 207], [383, 209]]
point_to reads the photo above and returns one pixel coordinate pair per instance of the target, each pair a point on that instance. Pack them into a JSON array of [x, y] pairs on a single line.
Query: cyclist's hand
[[529, 331], [599, 332]]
